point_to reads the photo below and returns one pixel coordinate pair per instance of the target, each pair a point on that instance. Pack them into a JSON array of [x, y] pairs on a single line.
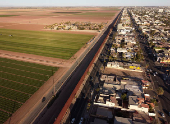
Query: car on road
[[43, 99], [162, 114], [157, 100], [73, 120], [81, 120], [154, 74]]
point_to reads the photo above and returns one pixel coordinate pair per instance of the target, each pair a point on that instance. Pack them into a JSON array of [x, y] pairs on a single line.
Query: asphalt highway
[[70, 84]]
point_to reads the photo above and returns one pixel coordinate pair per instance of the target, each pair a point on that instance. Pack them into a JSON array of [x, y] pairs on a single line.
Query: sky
[[84, 2]]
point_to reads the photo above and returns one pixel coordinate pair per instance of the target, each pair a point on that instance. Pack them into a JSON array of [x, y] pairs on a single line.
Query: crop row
[[3, 116], [24, 80], [57, 45], [14, 95], [26, 68], [31, 65], [52, 49], [24, 73], [45, 35], [8, 105], [18, 81], [36, 52], [18, 86]]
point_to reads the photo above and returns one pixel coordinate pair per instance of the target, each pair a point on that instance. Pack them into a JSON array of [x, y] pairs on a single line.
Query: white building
[[123, 50], [161, 10]]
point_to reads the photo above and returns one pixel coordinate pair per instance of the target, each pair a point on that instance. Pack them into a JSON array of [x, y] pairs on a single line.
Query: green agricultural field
[[50, 44], [18, 82], [98, 14], [7, 15]]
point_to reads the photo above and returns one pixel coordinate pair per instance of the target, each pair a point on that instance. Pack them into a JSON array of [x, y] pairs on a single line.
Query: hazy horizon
[[74, 3]]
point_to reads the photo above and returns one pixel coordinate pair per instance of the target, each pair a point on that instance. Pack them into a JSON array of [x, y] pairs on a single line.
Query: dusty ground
[[124, 73], [36, 19]]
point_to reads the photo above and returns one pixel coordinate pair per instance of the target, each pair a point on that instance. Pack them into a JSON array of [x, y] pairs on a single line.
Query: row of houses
[[153, 23], [121, 65], [76, 26], [125, 94], [125, 39]]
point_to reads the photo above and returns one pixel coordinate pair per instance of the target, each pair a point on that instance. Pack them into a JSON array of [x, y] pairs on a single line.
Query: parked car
[[162, 114], [154, 74], [73, 120], [81, 120], [43, 99]]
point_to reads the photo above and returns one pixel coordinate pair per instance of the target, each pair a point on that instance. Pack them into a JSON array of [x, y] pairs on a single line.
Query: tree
[[153, 101], [160, 91], [152, 32], [138, 56], [110, 58], [124, 97], [151, 42], [147, 65], [150, 108], [122, 44]]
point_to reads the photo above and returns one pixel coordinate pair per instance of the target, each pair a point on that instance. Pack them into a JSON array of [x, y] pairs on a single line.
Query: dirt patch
[[35, 59], [125, 73], [36, 19], [31, 27]]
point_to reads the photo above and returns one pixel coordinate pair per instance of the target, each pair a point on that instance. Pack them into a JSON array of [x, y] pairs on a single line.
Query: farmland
[[97, 14], [50, 44], [18, 82], [7, 15], [36, 19]]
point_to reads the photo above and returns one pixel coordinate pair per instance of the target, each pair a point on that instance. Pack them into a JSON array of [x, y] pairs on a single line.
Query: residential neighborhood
[[76, 26], [127, 90], [154, 23]]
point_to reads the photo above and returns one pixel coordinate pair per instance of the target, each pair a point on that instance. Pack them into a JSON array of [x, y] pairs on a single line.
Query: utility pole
[[53, 82]]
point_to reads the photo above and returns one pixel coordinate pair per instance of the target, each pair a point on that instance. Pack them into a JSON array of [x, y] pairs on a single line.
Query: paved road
[[70, 84]]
